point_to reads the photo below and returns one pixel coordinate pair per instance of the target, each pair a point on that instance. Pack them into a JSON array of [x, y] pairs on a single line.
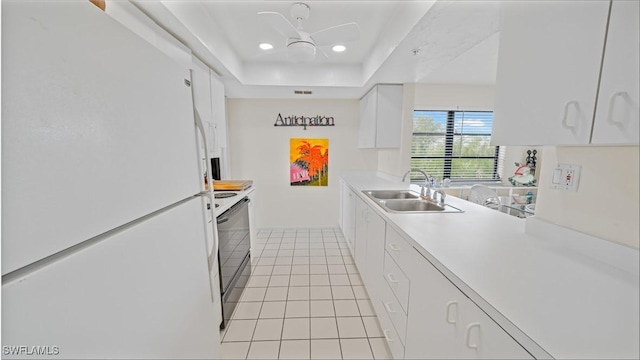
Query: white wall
[[607, 202], [260, 151]]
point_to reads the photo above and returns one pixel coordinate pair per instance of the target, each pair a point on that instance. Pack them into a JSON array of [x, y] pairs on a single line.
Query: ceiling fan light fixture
[[301, 45], [339, 48], [265, 46], [301, 51]]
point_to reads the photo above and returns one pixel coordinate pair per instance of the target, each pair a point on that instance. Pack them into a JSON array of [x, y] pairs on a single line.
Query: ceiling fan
[[301, 45]]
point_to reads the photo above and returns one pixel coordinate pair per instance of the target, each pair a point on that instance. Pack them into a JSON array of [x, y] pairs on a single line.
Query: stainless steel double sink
[[406, 201]]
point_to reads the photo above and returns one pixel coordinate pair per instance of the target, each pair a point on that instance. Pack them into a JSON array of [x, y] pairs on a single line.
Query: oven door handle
[[224, 217]]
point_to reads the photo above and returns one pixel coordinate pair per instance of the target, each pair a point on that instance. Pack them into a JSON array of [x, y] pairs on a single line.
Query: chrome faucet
[[425, 191], [442, 196]]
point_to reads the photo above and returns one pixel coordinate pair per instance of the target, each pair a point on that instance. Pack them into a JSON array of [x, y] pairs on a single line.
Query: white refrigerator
[[105, 239]]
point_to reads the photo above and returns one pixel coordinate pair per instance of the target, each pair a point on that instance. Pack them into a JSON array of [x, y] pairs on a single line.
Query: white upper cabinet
[[209, 101], [218, 112], [548, 69], [381, 117], [617, 115]]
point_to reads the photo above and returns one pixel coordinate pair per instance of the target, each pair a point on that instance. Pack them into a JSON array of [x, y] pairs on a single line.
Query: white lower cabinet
[[360, 238], [421, 313], [397, 281], [369, 254], [389, 331], [445, 324], [348, 215], [389, 304]]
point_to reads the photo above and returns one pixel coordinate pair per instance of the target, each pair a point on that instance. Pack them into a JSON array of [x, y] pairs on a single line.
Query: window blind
[[455, 145]]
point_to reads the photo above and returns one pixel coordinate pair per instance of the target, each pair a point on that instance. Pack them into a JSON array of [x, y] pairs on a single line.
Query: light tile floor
[[304, 299]]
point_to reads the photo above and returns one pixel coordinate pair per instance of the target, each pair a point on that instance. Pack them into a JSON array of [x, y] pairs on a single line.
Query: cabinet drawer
[[397, 280], [392, 308], [398, 248], [390, 334]]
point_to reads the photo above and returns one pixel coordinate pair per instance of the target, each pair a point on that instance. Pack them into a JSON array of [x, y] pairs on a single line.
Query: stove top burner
[[224, 195]]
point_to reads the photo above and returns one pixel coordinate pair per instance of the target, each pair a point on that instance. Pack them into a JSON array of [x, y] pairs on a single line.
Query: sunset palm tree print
[[309, 162]]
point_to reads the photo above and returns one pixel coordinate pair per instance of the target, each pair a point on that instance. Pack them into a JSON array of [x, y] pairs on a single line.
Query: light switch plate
[[566, 177]]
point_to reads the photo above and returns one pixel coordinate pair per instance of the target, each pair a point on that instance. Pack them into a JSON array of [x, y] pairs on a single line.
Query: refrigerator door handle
[[203, 133], [200, 127], [207, 192]]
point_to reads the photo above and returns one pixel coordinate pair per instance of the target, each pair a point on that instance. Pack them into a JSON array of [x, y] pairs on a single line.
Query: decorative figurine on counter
[[530, 161], [522, 176]]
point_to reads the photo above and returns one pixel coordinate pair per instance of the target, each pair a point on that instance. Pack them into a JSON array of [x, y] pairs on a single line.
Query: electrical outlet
[[566, 177]]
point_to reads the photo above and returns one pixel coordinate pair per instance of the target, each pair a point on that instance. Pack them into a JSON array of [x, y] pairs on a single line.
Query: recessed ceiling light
[[339, 48], [266, 46]]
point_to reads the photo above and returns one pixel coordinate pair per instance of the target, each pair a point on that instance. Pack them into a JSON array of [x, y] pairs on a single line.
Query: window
[[455, 145]]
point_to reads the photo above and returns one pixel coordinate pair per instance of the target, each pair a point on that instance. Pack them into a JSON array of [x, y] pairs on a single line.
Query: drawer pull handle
[[386, 335], [391, 278], [450, 304], [612, 101], [394, 247], [565, 124], [388, 307], [468, 335]]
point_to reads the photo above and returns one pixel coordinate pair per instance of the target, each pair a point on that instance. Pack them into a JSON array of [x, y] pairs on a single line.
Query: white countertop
[[226, 203], [571, 302]]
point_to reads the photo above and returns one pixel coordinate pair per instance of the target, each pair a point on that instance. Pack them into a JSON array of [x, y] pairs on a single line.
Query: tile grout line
[[332, 238]]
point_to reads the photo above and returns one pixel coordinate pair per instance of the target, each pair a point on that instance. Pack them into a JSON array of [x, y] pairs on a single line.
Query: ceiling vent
[[302, 92]]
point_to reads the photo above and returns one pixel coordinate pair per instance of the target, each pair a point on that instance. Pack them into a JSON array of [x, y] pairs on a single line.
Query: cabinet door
[[348, 216], [375, 252], [617, 114], [483, 338], [367, 131], [388, 116], [444, 324], [548, 67], [434, 322], [361, 238]]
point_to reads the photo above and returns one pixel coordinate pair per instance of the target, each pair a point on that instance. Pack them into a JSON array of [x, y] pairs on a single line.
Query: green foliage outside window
[[454, 144]]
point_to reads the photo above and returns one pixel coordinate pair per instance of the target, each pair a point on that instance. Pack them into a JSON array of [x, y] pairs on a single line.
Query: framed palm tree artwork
[[309, 162]]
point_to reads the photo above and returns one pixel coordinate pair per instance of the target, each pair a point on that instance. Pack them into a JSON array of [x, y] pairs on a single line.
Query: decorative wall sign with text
[[304, 121], [308, 162]]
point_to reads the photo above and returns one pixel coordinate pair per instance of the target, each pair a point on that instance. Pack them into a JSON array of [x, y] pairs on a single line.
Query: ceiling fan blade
[[336, 34], [324, 55], [280, 23]]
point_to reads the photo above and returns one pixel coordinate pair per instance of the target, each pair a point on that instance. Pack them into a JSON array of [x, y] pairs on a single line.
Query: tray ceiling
[[443, 42]]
